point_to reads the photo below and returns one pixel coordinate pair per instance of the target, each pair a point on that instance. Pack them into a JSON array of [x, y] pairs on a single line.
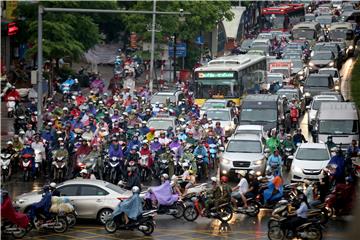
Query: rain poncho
[[163, 194], [274, 190], [44, 204], [9, 213], [132, 207]]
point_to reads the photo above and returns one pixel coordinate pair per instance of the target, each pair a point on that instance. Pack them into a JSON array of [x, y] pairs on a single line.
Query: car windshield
[[115, 188], [322, 56], [284, 71], [309, 17], [288, 94], [324, 20], [312, 154], [214, 105], [160, 124], [245, 131], [307, 34], [317, 81], [244, 146], [162, 98], [256, 115], [325, 47], [335, 127], [271, 79], [219, 115], [263, 47], [246, 44], [338, 34], [317, 103], [333, 73]]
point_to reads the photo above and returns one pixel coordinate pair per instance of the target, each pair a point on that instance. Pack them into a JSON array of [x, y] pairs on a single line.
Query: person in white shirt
[[240, 190]]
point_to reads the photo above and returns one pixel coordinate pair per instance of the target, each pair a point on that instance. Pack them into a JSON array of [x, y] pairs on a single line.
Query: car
[[293, 92], [275, 77], [215, 103], [257, 52], [334, 72], [293, 54], [243, 152], [268, 35], [322, 59], [315, 105], [309, 17], [339, 96], [244, 47], [325, 20], [326, 46], [161, 97], [92, 199], [317, 83], [308, 162], [226, 118], [252, 129], [161, 123], [343, 51]]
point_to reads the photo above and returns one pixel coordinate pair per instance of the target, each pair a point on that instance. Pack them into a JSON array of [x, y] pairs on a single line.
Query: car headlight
[[258, 162], [297, 169], [311, 64], [331, 64], [351, 47], [227, 128], [225, 161], [301, 72], [301, 77], [307, 94], [337, 87]]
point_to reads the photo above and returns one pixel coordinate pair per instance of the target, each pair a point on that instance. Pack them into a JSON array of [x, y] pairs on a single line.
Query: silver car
[[92, 199], [243, 152]]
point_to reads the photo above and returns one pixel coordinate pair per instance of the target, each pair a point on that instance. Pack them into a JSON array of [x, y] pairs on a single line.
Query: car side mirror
[[308, 107], [267, 150], [291, 157]]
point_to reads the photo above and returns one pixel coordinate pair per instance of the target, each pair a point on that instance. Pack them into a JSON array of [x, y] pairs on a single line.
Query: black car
[[317, 83]]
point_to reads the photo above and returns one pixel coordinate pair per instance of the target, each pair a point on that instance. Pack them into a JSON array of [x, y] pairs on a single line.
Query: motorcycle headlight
[[331, 64], [311, 64], [225, 161], [307, 94], [337, 87], [351, 47], [301, 72]]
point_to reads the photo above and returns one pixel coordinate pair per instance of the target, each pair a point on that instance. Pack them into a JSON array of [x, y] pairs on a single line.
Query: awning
[[231, 27]]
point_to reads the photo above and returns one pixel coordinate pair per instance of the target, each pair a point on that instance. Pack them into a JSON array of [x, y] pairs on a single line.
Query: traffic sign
[[180, 50], [199, 40]]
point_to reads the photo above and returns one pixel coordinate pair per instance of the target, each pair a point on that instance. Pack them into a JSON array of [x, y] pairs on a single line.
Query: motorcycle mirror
[[291, 157], [267, 150]]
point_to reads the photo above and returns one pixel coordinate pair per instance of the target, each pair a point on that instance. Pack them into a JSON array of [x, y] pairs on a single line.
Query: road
[[240, 227]]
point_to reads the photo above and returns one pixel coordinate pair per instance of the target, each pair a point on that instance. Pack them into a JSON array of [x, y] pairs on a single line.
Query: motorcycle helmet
[[165, 176], [52, 185], [224, 179], [174, 178], [252, 172], [213, 179], [349, 179], [135, 189]]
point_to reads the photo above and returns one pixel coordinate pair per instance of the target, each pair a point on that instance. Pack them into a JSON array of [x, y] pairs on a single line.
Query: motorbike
[[287, 157], [199, 164], [145, 172], [252, 210], [145, 223], [56, 222], [309, 230], [10, 104], [38, 162], [113, 170], [5, 164], [25, 165], [336, 204], [59, 169], [213, 150], [163, 165], [193, 209]]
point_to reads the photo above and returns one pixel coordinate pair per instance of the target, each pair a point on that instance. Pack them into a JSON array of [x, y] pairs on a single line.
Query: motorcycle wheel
[[71, 219], [272, 223], [254, 206], [20, 233], [150, 228], [110, 226], [324, 216], [180, 210], [314, 233], [63, 225], [330, 211], [190, 213], [276, 233], [226, 213]]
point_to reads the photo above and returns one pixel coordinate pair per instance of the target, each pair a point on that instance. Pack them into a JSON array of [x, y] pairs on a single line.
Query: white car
[[92, 199], [214, 103], [309, 161], [227, 119], [334, 72], [251, 129], [315, 105]]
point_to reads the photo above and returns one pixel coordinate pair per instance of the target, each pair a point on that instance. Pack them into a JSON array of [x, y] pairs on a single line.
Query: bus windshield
[[307, 34], [274, 21], [217, 88]]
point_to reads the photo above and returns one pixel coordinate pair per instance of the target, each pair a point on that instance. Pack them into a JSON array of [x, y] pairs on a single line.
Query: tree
[[204, 17], [64, 34]]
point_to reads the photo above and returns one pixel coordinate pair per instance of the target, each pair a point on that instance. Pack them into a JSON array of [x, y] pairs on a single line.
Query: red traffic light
[[12, 29]]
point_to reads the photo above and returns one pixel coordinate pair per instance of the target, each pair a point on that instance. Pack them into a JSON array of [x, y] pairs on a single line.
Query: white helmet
[[213, 179], [165, 176], [52, 185], [135, 189]]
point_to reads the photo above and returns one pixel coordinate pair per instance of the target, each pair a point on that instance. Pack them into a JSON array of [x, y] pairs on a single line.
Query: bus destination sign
[[216, 74]]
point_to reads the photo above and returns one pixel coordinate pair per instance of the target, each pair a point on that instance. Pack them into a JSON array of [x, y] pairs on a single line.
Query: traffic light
[[9, 28]]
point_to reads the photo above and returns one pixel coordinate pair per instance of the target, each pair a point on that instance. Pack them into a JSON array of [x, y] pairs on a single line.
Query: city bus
[[281, 17], [229, 77]]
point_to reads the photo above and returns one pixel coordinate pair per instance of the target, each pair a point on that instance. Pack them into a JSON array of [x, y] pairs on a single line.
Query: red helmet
[[224, 179]]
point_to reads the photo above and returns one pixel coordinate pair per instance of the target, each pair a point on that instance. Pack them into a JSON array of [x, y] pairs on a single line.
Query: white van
[[339, 120]]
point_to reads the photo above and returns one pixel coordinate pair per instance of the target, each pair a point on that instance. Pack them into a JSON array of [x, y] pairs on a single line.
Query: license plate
[[36, 165], [239, 171]]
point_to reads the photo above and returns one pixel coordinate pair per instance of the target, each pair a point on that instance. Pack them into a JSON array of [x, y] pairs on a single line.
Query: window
[[70, 190], [87, 190]]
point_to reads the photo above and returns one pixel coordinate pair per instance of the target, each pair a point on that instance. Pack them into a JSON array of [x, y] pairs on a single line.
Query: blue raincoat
[[268, 193], [132, 207], [44, 205]]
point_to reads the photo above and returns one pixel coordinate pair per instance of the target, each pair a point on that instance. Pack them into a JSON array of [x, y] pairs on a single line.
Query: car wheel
[[104, 215]]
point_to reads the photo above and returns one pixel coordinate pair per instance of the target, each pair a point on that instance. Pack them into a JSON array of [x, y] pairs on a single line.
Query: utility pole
[[151, 82], [174, 57], [40, 66]]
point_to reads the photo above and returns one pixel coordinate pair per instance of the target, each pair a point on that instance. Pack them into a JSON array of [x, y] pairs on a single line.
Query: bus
[[308, 31], [281, 17], [229, 77], [343, 31]]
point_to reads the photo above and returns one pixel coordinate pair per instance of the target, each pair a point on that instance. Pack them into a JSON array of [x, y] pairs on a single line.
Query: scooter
[[199, 164], [113, 170], [57, 222], [163, 167], [145, 172], [5, 166], [38, 163], [11, 104], [213, 150], [145, 223], [287, 157], [59, 169], [252, 210], [25, 164]]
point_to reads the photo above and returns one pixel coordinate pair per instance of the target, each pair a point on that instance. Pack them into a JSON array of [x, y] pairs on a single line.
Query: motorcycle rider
[[150, 135], [240, 190], [43, 206], [53, 190], [200, 150], [8, 149], [131, 207], [299, 137], [170, 159], [339, 161], [225, 189], [144, 129], [254, 185], [329, 143], [353, 149], [189, 157], [273, 142], [299, 217], [275, 162], [145, 151], [288, 142], [213, 197], [29, 151], [274, 190]]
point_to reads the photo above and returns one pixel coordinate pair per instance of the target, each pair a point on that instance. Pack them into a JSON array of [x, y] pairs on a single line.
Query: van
[[265, 110], [310, 31], [343, 31], [339, 120]]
